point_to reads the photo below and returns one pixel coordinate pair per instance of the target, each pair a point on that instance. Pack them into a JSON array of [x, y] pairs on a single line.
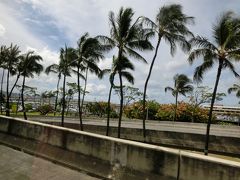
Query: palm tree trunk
[[211, 107], [145, 87], [175, 111], [63, 99], [79, 99], [1, 95], [68, 104], [23, 107], [56, 100], [109, 109], [121, 105], [7, 103], [18, 76], [84, 91]]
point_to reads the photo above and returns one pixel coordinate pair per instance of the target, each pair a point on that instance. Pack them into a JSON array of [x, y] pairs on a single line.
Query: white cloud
[[2, 30], [79, 16], [17, 33]]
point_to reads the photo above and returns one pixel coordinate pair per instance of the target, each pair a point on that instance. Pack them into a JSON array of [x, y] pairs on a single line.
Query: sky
[[47, 25]]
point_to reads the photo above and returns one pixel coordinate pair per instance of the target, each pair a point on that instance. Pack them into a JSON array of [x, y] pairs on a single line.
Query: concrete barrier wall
[[131, 159], [218, 144]]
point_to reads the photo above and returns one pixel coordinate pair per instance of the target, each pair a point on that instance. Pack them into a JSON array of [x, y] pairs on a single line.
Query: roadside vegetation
[[129, 37]]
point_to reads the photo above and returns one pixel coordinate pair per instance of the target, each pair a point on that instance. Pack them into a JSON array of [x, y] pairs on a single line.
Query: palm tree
[[235, 88], [43, 97], [224, 50], [3, 55], [29, 65], [12, 61], [127, 37], [171, 25], [67, 59], [55, 68], [182, 86], [117, 66], [89, 52]]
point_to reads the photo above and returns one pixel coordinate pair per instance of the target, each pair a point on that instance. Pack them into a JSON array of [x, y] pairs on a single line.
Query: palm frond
[[203, 43], [104, 72], [54, 68], [195, 54], [151, 24], [228, 64], [200, 70], [221, 29], [106, 40], [168, 89], [136, 55], [128, 76]]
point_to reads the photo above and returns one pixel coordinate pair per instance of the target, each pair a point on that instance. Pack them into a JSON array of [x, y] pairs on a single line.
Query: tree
[[182, 86], [72, 89], [171, 25], [29, 65], [235, 88], [127, 37], [118, 66], [33, 92], [47, 95], [55, 68], [67, 59], [202, 94], [12, 61], [224, 50], [3, 54], [89, 52], [130, 94]]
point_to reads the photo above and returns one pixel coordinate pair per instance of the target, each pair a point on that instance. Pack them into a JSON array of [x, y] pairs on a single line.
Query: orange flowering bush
[[135, 110], [185, 112]]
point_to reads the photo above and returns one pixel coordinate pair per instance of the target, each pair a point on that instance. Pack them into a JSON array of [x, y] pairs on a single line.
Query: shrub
[[100, 109], [135, 110], [28, 107], [14, 107], [45, 109], [165, 112], [185, 113]]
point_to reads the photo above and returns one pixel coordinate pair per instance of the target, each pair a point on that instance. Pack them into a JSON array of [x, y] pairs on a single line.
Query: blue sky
[[46, 25]]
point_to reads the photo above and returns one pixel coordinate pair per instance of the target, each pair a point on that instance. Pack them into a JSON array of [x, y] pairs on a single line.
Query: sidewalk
[[17, 165]]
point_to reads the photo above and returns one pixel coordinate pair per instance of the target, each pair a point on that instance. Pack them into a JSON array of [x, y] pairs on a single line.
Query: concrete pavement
[[17, 165]]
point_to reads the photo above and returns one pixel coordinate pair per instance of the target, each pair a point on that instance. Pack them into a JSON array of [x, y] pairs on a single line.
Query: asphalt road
[[197, 128]]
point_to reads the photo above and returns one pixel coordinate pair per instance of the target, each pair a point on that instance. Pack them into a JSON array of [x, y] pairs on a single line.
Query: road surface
[[197, 128]]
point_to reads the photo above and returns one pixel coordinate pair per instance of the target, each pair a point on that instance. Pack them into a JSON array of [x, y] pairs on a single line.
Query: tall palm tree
[[18, 73], [170, 25], [117, 66], [127, 37], [3, 55], [67, 59], [235, 88], [12, 61], [29, 65], [80, 68], [55, 68], [182, 86], [223, 50], [89, 52]]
